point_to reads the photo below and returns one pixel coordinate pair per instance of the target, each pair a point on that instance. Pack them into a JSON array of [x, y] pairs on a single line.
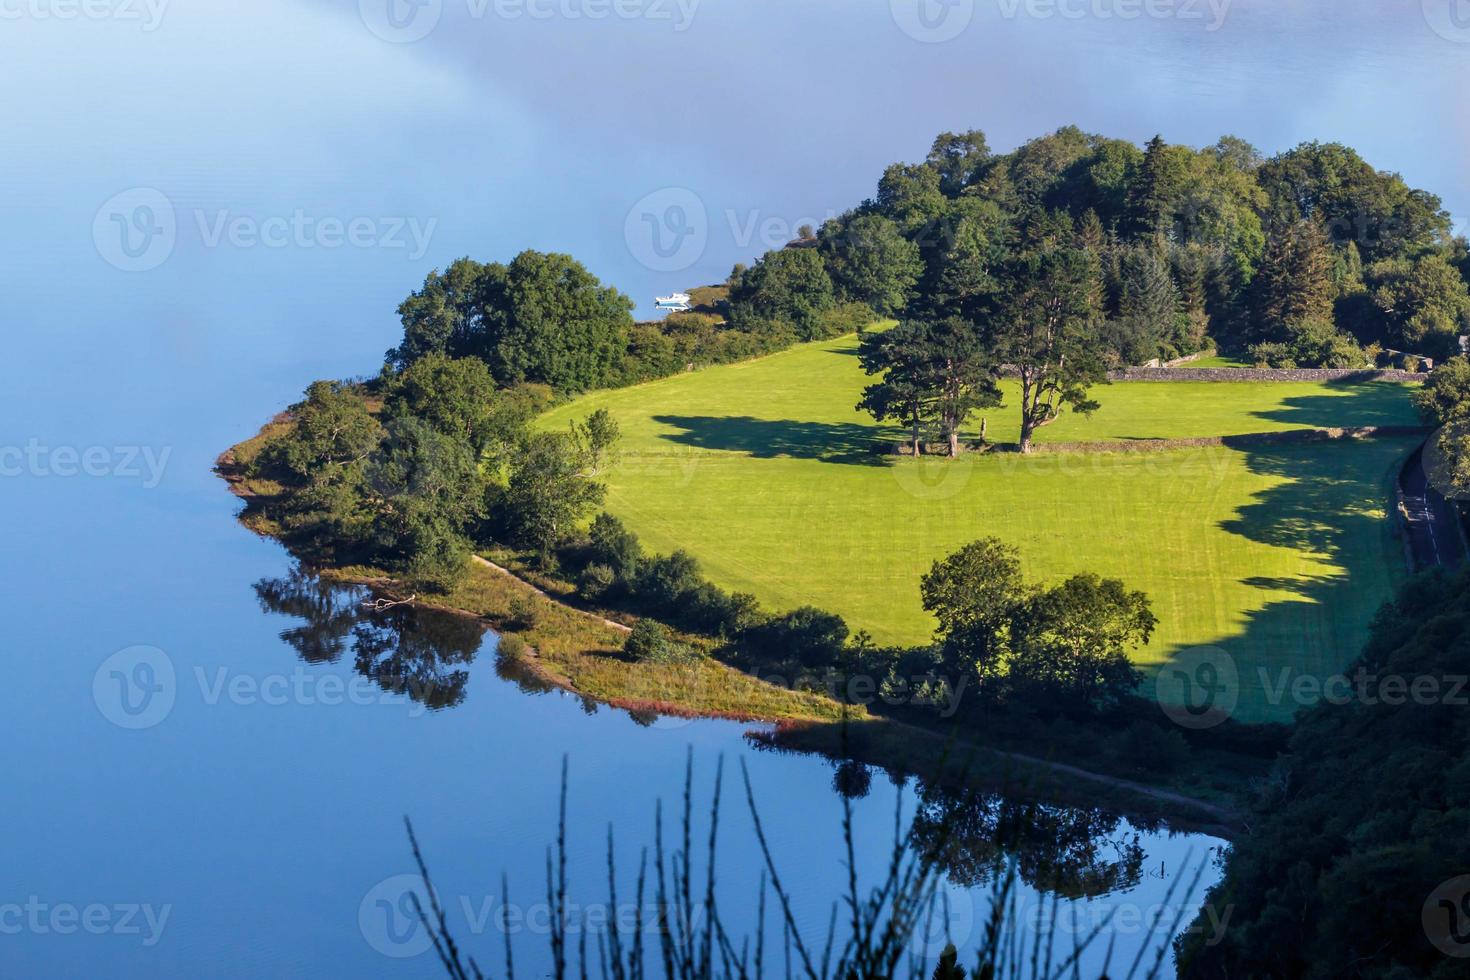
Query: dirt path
[[550, 598]]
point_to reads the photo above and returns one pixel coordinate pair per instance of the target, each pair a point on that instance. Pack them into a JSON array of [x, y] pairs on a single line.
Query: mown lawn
[[1278, 554]]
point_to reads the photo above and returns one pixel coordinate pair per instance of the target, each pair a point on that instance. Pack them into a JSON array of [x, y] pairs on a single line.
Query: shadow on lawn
[[831, 442], [1331, 506], [1367, 403]]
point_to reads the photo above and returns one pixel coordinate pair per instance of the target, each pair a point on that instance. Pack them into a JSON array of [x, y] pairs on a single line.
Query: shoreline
[[589, 667]]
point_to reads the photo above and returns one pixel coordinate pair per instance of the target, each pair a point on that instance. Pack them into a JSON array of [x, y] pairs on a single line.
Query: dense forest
[[1069, 256]]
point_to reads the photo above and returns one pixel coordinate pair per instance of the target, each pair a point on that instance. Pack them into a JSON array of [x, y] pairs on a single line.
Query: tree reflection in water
[[421, 653], [1072, 852]]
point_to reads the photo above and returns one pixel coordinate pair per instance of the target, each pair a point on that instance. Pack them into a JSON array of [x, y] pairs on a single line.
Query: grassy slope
[[1277, 554]]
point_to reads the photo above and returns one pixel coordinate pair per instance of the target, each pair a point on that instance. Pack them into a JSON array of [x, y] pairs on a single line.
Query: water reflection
[[1070, 851], [421, 653]]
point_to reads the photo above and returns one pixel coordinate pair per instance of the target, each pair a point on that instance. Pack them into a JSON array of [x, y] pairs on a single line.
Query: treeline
[[414, 470], [1357, 840], [1309, 258]]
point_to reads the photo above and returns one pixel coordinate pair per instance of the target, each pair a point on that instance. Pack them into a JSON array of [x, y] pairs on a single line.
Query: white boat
[[674, 303]]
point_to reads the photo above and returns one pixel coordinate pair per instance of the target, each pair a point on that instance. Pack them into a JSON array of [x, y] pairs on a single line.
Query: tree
[[932, 372], [545, 318], [1043, 329], [330, 429], [1423, 303], [1294, 283], [787, 286], [974, 594], [902, 394], [428, 492], [598, 435], [958, 159], [1156, 189], [1148, 295], [550, 488], [1071, 642], [455, 395], [1445, 396], [871, 262], [651, 642], [1332, 185], [441, 317], [808, 636]]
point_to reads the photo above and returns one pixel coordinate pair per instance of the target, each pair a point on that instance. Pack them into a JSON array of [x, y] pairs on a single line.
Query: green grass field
[[1279, 554]]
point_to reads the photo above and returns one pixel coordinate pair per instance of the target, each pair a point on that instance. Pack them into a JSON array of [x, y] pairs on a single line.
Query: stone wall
[[1356, 375]]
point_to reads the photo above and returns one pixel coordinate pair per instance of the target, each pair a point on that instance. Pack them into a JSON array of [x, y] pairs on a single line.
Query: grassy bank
[[1279, 554]]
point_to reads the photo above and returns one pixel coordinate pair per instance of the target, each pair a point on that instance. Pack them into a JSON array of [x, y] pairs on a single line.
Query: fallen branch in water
[[379, 605]]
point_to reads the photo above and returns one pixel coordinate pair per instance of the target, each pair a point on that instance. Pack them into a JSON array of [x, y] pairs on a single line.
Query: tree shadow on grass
[[830, 442], [1366, 403], [1329, 505]]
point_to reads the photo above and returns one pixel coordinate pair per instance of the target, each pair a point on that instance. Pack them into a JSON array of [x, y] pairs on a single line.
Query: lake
[[207, 205]]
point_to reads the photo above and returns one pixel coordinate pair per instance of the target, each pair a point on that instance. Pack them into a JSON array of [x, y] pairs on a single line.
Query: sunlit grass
[[763, 470]]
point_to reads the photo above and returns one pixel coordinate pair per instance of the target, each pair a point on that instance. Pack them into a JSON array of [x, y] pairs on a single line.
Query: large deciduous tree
[[973, 595], [870, 262]]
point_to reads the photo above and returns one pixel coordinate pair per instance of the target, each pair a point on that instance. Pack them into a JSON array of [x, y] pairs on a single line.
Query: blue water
[[255, 828]]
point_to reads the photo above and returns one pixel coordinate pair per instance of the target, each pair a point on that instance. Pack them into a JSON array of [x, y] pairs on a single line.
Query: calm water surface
[[221, 152]]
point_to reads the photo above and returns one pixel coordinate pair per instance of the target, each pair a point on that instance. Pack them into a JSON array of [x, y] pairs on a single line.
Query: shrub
[[596, 581], [524, 613], [651, 642], [613, 545], [808, 635], [513, 646]]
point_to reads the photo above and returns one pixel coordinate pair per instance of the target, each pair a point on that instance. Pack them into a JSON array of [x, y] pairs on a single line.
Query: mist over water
[[207, 205]]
